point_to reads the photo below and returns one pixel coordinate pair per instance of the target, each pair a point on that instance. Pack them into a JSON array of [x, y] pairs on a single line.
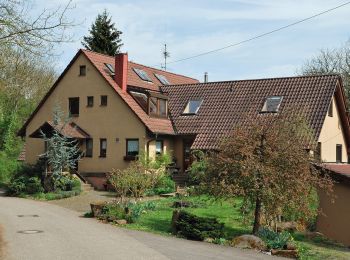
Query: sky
[[190, 27]]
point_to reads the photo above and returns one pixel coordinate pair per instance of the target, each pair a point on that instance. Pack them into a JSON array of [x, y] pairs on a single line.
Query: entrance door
[[187, 143]]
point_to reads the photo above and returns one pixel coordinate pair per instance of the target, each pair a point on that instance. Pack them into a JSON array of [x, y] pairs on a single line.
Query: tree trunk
[[257, 216]]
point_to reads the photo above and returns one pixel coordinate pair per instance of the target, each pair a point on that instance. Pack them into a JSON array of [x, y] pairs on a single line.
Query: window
[[192, 107], [272, 104], [158, 107], [140, 98], [89, 145], [162, 79], [103, 100], [90, 101], [110, 68], [142, 74], [159, 147], [74, 106], [82, 70], [103, 147], [330, 109], [132, 147], [339, 153]]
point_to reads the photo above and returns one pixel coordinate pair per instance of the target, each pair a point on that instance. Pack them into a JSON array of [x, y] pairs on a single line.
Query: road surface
[[63, 234]]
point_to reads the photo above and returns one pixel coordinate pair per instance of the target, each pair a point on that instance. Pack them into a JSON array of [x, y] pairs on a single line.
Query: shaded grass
[[227, 212]]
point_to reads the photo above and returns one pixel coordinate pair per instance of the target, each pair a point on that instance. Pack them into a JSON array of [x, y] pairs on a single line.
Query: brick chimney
[[121, 70]]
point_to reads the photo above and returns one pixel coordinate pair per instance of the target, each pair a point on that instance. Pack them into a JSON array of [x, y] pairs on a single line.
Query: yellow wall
[[331, 135], [116, 120], [334, 220]]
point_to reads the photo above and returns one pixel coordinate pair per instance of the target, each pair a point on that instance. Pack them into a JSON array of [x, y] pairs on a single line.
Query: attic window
[[140, 98], [142, 74], [162, 79], [272, 104], [110, 68], [192, 107]]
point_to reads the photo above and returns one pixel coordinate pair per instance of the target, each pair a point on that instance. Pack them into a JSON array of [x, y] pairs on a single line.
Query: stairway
[[86, 187]]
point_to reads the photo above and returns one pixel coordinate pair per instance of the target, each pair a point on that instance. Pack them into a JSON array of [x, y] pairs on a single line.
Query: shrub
[[274, 240], [164, 185], [198, 228], [198, 168], [24, 184]]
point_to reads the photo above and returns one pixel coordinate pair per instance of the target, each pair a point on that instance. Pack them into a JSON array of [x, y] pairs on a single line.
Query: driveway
[[63, 234]]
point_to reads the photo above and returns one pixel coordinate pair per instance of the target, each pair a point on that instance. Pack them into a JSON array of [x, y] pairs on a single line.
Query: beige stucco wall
[[334, 222], [168, 147], [331, 135], [116, 120]]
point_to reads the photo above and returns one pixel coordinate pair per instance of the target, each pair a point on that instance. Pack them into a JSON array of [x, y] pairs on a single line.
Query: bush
[[67, 183], [197, 168], [198, 228], [164, 185], [274, 240], [23, 184]]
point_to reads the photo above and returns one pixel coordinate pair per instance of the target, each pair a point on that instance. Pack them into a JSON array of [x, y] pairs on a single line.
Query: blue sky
[[190, 27]]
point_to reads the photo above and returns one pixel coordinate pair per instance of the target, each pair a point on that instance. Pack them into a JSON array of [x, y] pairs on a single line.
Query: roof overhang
[[70, 130]]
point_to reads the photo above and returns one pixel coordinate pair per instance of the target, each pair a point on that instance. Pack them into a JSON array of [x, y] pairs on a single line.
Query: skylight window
[[142, 74], [192, 107], [272, 104], [162, 79], [110, 68]]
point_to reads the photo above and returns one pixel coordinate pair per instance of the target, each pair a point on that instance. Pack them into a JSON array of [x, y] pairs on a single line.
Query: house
[[119, 108]]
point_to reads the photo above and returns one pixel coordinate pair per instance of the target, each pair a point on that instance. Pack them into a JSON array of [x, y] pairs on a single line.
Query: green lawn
[[158, 221]]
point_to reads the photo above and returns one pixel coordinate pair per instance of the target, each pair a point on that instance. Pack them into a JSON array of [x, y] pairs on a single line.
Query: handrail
[[73, 171]]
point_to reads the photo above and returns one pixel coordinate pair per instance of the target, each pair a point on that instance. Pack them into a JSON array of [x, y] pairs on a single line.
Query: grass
[[159, 221], [52, 195]]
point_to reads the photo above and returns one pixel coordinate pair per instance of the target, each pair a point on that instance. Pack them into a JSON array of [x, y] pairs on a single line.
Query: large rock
[[96, 208], [121, 222], [285, 253], [249, 241]]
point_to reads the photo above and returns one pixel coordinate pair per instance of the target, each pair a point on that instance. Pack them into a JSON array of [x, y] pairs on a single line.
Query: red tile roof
[[155, 125], [226, 104], [343, 169]]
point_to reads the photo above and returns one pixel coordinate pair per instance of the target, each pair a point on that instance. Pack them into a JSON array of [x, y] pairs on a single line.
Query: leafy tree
[[62, 152], [266, 162], [104, 36], [35, 34], [328, 61]]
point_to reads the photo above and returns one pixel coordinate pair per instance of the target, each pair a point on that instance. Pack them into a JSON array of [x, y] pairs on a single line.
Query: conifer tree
[[104, 36]]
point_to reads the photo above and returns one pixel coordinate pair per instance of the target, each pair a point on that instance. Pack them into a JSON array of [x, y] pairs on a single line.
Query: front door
[[187, 143]]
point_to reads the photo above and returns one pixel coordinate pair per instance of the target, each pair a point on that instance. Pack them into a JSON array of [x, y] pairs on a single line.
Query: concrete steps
[[86, 187]]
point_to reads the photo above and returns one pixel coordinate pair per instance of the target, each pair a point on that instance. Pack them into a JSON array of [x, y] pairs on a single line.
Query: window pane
[[74, 106], [192, 107], [82, 70], [89, 145], [103, 147], [103, 100], [153, 106], [162, 107], [159, 147], [272, 104], [142, 74], [90, 101], [132, 147]]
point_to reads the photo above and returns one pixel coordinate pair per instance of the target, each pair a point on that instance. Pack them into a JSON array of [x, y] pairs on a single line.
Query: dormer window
[[192, 107], [140, 98], [154, 104], [272, 104], [142, 74], [162, 79], [157, 107]]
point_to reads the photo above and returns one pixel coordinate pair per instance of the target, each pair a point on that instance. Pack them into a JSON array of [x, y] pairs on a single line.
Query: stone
[[96, 208], [209, 240], [249, 241], [121, 222], [291, 245], [285, 253]]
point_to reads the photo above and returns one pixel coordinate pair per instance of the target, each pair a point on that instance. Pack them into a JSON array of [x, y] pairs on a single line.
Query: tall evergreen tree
[[104, 36]]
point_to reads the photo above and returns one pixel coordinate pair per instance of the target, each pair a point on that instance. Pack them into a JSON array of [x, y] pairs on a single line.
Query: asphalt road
[[66, 235]]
